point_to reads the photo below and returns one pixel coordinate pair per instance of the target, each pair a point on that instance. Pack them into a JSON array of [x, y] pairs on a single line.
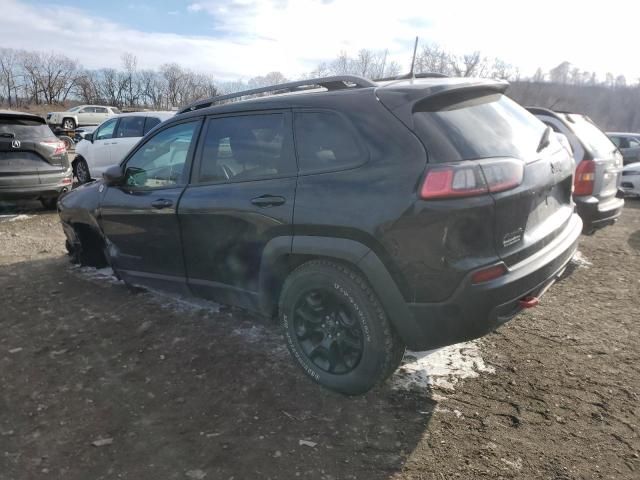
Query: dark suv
[[33, 162], [368, 216], [598, 167]]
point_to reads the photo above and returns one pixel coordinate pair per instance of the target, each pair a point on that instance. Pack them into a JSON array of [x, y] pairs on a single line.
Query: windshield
[[593, 139], [478, 127], [24, 129], [74, 109]]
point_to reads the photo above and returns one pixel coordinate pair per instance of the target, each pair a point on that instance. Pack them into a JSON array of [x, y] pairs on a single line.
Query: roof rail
[[408, 76], [337, 82]]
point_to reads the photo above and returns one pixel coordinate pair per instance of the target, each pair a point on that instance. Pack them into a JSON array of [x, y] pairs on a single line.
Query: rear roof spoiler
[[22, 116], [402, 97]]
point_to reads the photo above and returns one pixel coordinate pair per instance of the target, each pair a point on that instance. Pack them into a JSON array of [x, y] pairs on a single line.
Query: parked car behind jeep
[[368, 217], [33, 162], [598, 167], [80, 116], [111, 141], [629, 145]]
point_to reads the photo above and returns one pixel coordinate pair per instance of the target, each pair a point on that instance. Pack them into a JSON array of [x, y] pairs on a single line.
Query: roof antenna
[[412, 75]]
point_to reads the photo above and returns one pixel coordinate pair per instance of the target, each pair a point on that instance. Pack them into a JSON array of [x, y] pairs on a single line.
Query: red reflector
[[487, 274], [66, 181], [585, 178], [529, 302]]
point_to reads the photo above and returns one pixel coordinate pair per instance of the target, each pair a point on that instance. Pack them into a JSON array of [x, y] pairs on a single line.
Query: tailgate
[[529, 217]]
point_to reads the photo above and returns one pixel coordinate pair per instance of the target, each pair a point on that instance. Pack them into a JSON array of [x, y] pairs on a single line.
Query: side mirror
[[113, 175], [88, 136]]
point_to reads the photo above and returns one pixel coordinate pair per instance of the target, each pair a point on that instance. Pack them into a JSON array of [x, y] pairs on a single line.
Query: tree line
[[28, 77]]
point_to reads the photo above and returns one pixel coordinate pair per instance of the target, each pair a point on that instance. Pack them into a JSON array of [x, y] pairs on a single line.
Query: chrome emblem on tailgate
[[512, 238], [15, 143]]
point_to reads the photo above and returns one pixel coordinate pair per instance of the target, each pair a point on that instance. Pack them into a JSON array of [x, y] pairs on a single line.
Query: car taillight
[[57, 145], [467, 179], [585, 178]]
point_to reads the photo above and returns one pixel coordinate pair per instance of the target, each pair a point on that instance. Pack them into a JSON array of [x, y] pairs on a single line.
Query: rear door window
[[326, 141], [473, 126], [130, 127], [24, 129], [247, 147]]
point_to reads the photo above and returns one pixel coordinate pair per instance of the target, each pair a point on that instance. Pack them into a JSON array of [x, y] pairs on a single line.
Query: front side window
[[326, 141], [247, 148], [161, 161], [106, 130], [130, 127]]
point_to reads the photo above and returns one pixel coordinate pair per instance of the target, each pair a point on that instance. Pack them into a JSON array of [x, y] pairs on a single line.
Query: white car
[[630, 184], [81, 115], [111, 141]]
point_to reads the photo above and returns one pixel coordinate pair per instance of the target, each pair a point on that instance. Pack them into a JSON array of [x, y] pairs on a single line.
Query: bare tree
[[9, 75]]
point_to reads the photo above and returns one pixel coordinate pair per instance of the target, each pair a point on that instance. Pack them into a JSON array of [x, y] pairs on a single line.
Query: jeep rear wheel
[[336, 328]]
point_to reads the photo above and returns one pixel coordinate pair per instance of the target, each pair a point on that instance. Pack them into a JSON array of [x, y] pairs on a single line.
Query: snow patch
[[91, 273], [14, 218], [441, 368], [580, 260]]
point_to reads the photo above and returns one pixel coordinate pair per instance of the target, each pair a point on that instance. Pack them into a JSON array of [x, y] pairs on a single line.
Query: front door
[[139, 217], [241, 197], [100, 158]]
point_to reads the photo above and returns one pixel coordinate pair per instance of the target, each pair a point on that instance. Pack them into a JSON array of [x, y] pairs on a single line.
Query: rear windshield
[[593, 139], [25, 129], [479, 126], [115, 110]]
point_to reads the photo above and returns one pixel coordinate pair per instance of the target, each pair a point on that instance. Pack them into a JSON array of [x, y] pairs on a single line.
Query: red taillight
[[585, 178], [487, 274], [471, 178], [57, 145]]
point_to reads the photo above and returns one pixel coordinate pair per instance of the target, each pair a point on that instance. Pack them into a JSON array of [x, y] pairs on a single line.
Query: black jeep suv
[[368, 216], [33, 162]]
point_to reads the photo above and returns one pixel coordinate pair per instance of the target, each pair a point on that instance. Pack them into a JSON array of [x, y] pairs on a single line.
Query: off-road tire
[[383, 349]]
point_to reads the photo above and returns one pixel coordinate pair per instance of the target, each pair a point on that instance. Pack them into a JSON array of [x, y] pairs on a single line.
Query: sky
[[239, 39]]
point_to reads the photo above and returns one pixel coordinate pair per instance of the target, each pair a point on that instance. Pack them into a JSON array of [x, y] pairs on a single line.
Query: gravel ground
[[99, 382]]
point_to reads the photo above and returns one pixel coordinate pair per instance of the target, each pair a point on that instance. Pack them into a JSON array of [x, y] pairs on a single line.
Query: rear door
[[241, 196]]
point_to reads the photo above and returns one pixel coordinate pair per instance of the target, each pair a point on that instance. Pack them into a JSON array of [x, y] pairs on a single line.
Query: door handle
[[161, 203], [268, 201]]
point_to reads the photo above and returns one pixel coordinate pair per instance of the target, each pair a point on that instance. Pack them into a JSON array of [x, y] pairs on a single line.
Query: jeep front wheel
[[336, 328], [68, 124]]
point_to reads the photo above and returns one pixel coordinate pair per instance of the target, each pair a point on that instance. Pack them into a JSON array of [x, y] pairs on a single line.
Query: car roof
[[624, 134], [408, 89], [159, 114]]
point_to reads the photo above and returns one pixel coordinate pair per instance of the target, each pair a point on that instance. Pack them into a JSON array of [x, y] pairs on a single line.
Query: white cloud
[[253, 37]]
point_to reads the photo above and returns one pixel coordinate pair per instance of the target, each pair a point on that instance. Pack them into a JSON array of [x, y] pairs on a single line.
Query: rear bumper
[[596, 213], [53, 185], [474, 310]]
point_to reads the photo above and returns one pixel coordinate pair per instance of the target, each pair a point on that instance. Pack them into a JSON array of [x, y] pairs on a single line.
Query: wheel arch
[[282, 255]]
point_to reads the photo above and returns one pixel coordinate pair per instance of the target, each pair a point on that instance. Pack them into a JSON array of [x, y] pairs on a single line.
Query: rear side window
[[149, 123], [130, 127], [100, 110], [24, 129], [593, 139], [474, 126], [326, 141], [247, 147]]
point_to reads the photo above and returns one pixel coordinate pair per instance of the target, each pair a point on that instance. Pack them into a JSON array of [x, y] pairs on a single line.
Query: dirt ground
[[97, 382]]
